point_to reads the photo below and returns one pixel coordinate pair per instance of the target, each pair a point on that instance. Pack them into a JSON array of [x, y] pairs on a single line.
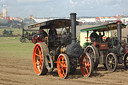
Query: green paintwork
[[107, 27], [86, 44], [92, 28]]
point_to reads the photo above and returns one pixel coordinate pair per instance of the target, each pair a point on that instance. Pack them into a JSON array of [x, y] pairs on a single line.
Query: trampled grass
[[12, 47]]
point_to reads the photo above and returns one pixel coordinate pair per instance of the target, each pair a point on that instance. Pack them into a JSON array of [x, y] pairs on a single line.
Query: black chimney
[[73, 26], [119, 32], [74, 49]]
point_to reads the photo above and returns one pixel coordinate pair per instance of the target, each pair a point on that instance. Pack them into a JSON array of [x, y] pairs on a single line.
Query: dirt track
[[14, 71]]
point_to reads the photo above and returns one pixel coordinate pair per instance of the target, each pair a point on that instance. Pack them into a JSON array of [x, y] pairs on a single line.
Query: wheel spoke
[[63, 60], [39, 50], [86, 70], [64, 65], [63, 73], [37, 55], [40, 66], [113, 62], [113, 59], [60, 62], [59, 69], [109, 58], [37, 63], [88, 64], [90, 51], [113, 65], [41, 59], [109, 64]]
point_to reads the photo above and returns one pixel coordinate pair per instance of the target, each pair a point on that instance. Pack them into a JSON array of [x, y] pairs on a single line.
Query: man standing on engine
[[39, 37], [42, 33]]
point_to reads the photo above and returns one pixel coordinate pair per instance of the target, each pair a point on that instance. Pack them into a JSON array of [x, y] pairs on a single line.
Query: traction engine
[[61, 52]]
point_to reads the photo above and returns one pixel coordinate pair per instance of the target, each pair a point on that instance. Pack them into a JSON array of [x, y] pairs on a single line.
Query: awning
[[111, 26], [56, 23]]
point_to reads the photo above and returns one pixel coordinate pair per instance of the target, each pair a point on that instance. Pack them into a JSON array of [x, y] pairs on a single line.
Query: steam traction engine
[[109, 52], [60, 51]]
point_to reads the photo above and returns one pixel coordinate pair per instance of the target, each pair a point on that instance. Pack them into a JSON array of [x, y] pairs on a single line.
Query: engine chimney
[[73, 26], [119, 32], [74, 49]]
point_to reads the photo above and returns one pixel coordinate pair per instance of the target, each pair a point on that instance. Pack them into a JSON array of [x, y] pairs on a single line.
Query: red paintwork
[[36, 39], [126, 50], [102, 46]]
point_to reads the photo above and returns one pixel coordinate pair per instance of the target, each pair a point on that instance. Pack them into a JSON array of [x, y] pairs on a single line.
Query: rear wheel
[[126, 61], [39, 60], [86, 65], [111, 62], [63, 66]]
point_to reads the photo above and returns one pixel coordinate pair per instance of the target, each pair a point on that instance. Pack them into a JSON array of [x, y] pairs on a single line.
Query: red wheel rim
[[85, 65], [37, 59], [62, 66]]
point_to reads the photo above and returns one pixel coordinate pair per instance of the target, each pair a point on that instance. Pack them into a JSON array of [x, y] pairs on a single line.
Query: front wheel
[[63, 66], [111, 62], [86, 65]]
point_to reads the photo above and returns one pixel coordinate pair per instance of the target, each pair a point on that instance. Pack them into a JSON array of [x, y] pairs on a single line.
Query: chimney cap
[[72, 13]]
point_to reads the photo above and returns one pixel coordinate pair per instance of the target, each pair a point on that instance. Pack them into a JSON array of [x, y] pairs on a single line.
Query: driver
[[42, 33], [39, 37], [94, 36]]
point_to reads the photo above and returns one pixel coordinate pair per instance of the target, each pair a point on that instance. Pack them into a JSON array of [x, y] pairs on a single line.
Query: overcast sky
[[62, 8]]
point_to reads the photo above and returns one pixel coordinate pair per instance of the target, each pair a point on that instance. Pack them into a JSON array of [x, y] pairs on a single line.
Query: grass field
[[11, 46], [16, 31]]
